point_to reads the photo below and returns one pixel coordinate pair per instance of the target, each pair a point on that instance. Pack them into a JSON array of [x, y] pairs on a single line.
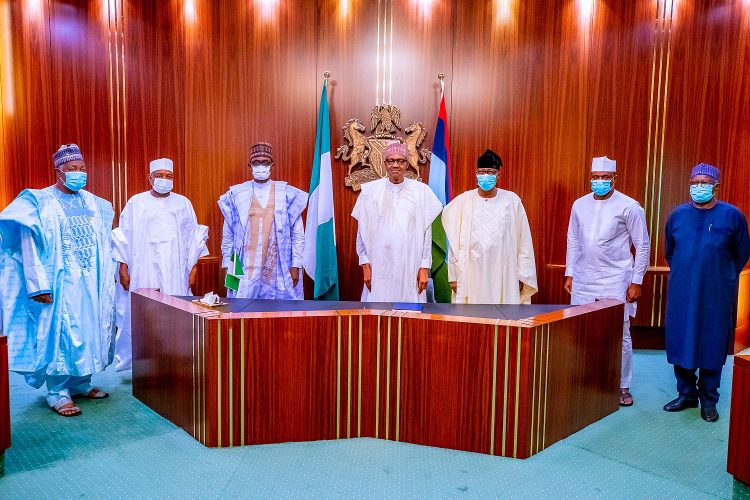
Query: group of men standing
[[60, 257]]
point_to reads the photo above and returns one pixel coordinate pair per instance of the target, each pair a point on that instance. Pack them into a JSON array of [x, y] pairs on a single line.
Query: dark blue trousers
[[700, 384]]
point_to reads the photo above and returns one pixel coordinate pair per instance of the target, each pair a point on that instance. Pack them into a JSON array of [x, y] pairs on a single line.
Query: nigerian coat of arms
[[365, 153]]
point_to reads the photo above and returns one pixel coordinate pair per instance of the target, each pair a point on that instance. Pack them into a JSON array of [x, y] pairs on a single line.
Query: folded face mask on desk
[[210, 299]]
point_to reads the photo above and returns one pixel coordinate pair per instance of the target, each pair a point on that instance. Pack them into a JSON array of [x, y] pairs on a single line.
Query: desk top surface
[[490, 311]]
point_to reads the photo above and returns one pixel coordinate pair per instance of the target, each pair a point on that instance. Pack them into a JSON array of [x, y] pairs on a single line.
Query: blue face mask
[[701, 193], [601, 187], [75, 181], [486, 181]]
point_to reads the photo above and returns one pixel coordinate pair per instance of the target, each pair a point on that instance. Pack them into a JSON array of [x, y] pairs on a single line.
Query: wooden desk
[[319, 370], [738, 461], [4, 402]]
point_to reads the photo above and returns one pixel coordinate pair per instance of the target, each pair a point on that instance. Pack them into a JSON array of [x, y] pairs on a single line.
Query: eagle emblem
[[365, 154]]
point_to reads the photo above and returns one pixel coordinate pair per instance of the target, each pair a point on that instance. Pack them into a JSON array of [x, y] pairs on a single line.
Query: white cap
[[603, 164], [160, 164]]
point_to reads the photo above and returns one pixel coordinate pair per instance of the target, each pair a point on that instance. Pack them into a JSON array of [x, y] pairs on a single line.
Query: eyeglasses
[[395, 161], [260, 164], [702, 184], [487, 171]]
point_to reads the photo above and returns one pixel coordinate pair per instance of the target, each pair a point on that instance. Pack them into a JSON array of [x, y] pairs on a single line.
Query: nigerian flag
[[320, 240], [440, 183], [234, 273]]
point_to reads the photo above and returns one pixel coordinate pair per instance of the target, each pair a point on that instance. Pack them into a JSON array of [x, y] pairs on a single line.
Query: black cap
[[490, 159]]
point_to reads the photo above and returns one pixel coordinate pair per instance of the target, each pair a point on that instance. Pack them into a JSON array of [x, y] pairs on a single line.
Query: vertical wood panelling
[[80, 105], [27, 98], [538, 82], [519, 89], [619, 75], [246, 80], [155, 89], [707, 102]]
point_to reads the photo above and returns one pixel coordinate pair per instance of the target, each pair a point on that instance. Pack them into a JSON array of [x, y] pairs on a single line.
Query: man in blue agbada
[[57, 284], [707, 245], [263, 228]]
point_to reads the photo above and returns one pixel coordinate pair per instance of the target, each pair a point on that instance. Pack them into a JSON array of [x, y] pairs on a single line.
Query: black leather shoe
[[709, 414], [681, 403]]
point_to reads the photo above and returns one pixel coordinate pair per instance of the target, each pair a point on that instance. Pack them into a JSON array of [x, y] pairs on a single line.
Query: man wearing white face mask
[[263, 228], [57, 286], [603, 226], [491, 254], [158, 244]]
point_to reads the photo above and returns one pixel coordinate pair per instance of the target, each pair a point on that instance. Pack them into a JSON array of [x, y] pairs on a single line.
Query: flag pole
[[441, 77]]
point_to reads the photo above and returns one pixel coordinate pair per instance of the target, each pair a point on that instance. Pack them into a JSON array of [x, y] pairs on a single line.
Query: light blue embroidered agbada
[[57, 243], [270, 280]]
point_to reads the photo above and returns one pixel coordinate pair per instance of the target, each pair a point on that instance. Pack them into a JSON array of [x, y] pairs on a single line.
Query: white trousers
[[626, 372]]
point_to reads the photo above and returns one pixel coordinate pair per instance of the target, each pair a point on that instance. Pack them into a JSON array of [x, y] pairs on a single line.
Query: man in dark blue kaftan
[[707, 245]]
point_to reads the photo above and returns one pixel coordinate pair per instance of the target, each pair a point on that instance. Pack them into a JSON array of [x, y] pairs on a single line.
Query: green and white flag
[[320, 232], [234, 273]]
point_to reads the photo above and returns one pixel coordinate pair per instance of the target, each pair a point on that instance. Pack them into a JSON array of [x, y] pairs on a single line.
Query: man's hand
[[454, 286], [367, 275], [294, 273], [124, 276], [633, 293], [423, 277], [44, 298], [192, 275], [568, 286]]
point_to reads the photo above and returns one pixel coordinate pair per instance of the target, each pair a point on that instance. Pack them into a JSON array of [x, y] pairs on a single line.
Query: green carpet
[[121, 449]]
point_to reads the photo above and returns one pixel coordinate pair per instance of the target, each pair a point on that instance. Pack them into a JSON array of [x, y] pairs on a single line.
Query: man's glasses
[[395, 162], [702, 184]]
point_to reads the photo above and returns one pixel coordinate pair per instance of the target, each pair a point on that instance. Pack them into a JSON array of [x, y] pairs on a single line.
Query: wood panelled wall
[[659, 85]]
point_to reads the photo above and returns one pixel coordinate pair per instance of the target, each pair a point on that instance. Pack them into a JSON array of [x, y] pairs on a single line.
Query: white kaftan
[[490, 249], [394, 236], [160, 240], [598, 258]]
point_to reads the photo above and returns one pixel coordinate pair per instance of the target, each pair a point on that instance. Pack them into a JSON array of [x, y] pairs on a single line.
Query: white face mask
[[261, 172], [163, 186]]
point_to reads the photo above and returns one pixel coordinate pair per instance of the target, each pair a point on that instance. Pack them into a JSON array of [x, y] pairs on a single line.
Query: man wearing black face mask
[[158, 244], [56, 269]]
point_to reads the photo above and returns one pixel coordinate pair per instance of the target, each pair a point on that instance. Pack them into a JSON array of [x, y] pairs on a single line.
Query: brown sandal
[[626, 399], [94, 393]]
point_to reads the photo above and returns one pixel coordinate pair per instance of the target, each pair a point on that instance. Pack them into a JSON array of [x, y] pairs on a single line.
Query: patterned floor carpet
[[121, 449]]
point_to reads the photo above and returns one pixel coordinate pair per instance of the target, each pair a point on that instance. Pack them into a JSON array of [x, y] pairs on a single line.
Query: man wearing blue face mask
[[491, 254], [57, 286], [603, 227], [263, 228], [707, 246], [158, 244]]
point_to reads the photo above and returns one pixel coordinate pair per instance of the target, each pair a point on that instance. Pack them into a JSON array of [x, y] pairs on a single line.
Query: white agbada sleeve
[[298, 243], [526, 259], [427, 248], [573, 245], [227, 234], [635, 220], [197, 247], [361, 249], [122, 236], [36, 280]]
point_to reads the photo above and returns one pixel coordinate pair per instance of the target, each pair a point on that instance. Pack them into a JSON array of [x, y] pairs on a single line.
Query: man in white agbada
[[158, 244], [599, 264], [263, 227], [57, 284], [394, 233], [491, 255]]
